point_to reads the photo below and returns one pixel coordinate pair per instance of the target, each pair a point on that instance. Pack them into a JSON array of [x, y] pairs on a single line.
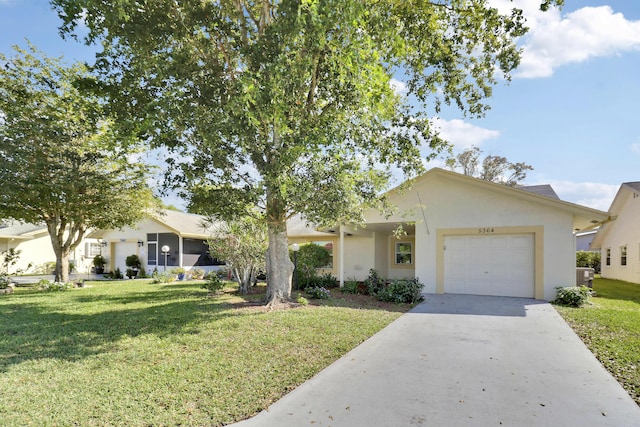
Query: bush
[[117, 274], [326, 280], [5, 282], [162, 277], [351, 287], [213, 283], [302, 300], [402, 291], [133, 261], [573, 296], [588, 259], [310, 257], [318, 293], [47, 286], [374, 283], [197, 273]]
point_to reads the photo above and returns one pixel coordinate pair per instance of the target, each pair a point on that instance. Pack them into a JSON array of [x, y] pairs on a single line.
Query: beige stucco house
[[619, 240], [464, 235], [184, 234], [36, 251]]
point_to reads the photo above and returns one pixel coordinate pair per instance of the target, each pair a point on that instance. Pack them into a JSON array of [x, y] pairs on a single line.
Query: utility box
[[584, 277]]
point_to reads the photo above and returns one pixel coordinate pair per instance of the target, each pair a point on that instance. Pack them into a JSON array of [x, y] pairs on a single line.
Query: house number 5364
[[486, 230]]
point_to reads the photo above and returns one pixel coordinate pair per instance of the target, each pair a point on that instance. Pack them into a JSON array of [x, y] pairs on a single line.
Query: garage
[[490, 264]]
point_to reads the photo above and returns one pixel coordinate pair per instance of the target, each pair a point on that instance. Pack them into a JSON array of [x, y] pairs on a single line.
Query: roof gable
[[583, 217], [626, 190], [184, 224]]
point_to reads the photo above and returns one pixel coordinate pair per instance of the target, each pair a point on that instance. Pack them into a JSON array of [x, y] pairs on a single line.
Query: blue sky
[[571, 111]]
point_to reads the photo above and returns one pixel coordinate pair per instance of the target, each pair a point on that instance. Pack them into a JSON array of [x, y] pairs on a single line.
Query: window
[[152, 254], [404, 253], [329, 247], [623, 255], [93, 249], [608, 257]]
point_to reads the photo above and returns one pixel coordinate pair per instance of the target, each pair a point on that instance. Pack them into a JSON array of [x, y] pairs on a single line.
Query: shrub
[[133, 261], [47, 286], [162, 277], [117, 274], [310, 257], [351, 287], [574, 296], [374, 283], [222, 273], [197, 273], [588, 259], [402, 291], [99, 261], [213, 283], [5, 282], [316, 292], [302, 300]]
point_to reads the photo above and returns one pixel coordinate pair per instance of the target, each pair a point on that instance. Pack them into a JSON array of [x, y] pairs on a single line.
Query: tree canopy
[[288, 104], [492, 168], [60, 162]]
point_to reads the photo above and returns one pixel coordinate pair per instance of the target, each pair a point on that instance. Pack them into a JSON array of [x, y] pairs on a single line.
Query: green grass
[[136, 354], [610, 327]]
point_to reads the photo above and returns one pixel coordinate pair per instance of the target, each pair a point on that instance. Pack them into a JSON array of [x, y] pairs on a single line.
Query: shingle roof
[[542, 190], [634, 185], [18, 229], [184, 223]]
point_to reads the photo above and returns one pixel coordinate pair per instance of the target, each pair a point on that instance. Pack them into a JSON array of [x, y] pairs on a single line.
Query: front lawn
[[610, 327], [137, 354]]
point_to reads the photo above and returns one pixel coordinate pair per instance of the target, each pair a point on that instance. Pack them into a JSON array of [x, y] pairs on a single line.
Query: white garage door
[[490, 265], [122, 251]]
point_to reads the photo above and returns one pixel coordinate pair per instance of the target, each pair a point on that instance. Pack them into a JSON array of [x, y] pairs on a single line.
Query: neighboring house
[[619, 240], [463, 235], [584, 239], [36, 251], [183, 233]]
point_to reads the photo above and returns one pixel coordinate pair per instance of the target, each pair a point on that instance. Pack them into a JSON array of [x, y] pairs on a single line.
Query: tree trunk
[[62, 267], [244, 280], [279, 266]]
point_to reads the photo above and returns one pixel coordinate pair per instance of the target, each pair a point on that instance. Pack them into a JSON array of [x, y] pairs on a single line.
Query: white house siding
[[625, 230], [458, 204], [123, 243], [361, 256], [36, 252]]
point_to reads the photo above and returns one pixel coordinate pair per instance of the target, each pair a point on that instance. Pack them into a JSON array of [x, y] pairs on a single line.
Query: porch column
[[341, 268]]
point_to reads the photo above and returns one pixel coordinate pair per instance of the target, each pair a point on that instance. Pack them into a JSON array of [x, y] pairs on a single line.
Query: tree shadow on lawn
[[38, 331]]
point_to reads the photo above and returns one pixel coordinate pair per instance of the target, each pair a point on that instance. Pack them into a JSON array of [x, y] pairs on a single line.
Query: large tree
[[60, 162], [289, 104], [492, 168]]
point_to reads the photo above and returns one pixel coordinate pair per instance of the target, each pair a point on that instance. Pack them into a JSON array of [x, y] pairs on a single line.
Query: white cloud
[[461, 134], [555, 39], [399, 87], [635, 148], [590, 194]]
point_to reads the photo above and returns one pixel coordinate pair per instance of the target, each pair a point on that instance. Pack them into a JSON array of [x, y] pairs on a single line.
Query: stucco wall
[[451, 204], [36, 251], [625, 230]]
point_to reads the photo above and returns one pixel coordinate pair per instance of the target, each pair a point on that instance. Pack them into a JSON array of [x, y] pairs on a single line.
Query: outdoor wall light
[[103, 243], [140, 243]]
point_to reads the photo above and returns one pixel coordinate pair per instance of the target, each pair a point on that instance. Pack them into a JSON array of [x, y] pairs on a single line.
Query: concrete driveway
[[459, 360]]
